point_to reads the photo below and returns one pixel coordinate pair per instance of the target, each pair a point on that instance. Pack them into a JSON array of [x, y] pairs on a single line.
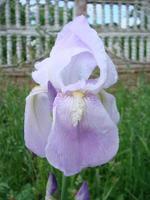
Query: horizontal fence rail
[[28, 28]]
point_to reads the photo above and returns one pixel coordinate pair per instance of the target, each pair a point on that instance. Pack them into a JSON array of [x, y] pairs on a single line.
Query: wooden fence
[[28, 27]]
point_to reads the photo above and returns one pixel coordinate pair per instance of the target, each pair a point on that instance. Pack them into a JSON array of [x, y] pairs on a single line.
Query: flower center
[[78, 107], [78, 93]]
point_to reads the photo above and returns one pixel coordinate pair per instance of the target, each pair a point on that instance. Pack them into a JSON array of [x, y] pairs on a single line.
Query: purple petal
[[112, 75], [89, 37], [51, 94], [38, 120], [51, 186], [93, 142], [80, 68], [61, 62], [81, 50], [50, 68], [109, 102], [83, 193]]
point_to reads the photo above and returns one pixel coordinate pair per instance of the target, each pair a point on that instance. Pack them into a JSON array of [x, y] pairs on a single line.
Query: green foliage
[[12, 13], [2, 16], [23, 175]]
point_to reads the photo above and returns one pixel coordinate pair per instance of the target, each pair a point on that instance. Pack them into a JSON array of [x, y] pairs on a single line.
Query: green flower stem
[[97, 176], [63, 188]]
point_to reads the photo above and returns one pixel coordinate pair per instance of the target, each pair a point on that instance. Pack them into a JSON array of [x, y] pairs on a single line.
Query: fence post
[[80, 7]]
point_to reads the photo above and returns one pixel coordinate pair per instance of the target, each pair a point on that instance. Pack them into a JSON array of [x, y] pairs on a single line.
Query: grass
[[23, 176]]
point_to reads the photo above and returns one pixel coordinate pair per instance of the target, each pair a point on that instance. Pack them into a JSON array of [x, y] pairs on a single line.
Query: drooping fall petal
[[92, 142], [109, 102], [38, 120]]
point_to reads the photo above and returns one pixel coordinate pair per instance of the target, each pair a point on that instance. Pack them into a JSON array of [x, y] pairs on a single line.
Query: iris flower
[[51, 187], [69, 117], [83, 193]]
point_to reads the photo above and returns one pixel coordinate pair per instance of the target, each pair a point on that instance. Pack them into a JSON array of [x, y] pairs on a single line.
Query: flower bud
[[51, 186], [83, 193]]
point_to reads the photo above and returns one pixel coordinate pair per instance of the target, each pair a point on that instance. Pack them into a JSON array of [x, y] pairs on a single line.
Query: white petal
[[92, 142], [109, 102], [80, 68], [77, 50], [112, 75], [40, 75], [38, 120]]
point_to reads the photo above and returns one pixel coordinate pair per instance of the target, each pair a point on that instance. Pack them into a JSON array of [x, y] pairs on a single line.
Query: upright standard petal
[[91, 142], [90, 38], [38, 120], [72, 52], [81, 51], [82, 34], [79, 68]]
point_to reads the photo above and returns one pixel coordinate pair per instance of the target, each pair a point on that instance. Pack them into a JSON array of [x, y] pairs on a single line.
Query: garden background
[[27, 33]]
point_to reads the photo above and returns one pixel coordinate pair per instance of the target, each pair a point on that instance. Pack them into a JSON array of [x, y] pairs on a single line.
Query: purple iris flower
[[83, 193], [51, 186], [65, 120]]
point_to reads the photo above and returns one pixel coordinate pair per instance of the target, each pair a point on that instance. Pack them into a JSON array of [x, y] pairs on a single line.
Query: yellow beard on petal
[[78, 94], [78, 107]]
